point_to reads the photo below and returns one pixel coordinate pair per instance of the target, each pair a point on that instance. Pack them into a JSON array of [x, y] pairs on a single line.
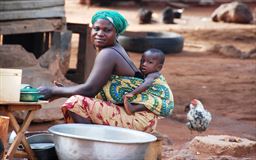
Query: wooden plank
[[154, 150], [23, 128], [86, 52], [20, 135], [24, 107], [32, 14], [31, 26], [4, 123], [24, 5], [17, 139], [20, 154], [77, 27], [19, 0], [90, 54], [81, 57], [4, 103]]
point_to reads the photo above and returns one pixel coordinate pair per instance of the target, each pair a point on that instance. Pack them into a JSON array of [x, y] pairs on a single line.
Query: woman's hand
[[46, 92], [58, 84]]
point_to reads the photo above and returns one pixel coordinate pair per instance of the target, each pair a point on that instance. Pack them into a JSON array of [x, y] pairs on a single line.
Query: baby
[[151, 63]]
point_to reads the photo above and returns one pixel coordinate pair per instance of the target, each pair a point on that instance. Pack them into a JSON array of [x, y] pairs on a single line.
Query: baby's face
[[149, 63]]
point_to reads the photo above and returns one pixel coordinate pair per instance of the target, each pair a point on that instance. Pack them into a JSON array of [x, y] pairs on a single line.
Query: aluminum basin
[[98, 142]]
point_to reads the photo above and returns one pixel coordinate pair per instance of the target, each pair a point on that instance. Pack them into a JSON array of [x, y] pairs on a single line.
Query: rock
[[214, 49], [222, 145], [245, 55], [252, 51], [56, 59], [253, 56], [15, 56], [230, 51], [37, 76], [145, 16], [226, 158], [183, 154], [234, 12]]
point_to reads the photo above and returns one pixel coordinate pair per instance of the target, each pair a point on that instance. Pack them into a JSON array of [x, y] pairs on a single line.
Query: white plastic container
[[10, 83]]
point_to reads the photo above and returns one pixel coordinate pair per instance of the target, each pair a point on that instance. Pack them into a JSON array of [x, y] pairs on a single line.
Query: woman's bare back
[[124, 65]]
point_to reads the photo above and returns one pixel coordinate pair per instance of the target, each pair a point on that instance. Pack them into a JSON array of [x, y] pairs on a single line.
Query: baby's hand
[[129, 95], [126, 103]]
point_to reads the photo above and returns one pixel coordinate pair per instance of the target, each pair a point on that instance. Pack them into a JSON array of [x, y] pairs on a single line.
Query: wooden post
[[86, 52], [4, 124], [154, 151], [88, 2]]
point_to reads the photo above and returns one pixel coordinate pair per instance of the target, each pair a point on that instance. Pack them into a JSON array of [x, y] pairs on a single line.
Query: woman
[[112, 63]]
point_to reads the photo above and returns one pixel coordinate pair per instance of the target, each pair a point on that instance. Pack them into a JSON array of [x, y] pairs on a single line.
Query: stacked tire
[[168, 42]]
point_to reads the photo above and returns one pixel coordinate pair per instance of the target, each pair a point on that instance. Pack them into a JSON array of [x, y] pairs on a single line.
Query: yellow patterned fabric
[[158, 98]]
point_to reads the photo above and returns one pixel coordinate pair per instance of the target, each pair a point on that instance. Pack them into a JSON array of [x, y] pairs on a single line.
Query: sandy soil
[[226, 86]]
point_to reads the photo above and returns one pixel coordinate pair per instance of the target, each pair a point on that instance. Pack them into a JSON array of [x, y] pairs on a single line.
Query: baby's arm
[[148, 81], [132, 108]]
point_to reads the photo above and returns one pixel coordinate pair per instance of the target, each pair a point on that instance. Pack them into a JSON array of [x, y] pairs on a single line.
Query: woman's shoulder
[[107, 52], [113, 50]]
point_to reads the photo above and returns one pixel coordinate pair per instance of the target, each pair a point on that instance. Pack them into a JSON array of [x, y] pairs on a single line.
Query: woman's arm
[[102, 69]]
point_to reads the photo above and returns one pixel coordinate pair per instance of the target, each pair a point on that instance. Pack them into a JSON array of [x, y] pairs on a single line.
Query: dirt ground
[[225, 85]]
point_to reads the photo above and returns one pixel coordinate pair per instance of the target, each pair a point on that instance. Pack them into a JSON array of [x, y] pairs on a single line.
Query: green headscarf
[[119, 22]]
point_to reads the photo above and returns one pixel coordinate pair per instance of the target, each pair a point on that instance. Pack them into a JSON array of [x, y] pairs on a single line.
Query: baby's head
[[151, 61]]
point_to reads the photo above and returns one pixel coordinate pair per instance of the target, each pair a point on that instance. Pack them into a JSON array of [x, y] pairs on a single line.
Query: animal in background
[[197, 116], [145, 16], [1, 149]]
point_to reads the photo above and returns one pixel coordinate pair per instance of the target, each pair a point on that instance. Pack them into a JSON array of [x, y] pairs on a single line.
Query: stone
[[235, 12], [56, 59], [37, 76], [11, 57], [222, 145], [252, 56], [230, 51]]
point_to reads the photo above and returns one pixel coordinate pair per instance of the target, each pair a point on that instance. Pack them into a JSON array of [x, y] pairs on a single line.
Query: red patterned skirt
[[107, 113]]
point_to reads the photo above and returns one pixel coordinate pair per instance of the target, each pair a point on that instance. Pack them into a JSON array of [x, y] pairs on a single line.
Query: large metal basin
[[98, 142]]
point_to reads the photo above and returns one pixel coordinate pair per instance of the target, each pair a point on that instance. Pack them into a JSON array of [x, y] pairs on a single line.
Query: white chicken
[[198, 117]]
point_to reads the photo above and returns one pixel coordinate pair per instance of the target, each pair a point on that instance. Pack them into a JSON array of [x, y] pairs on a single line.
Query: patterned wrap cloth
[[158, 98], [103, 109]]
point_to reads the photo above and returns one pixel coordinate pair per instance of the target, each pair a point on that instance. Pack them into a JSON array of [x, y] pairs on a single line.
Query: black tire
[[168, 42]]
